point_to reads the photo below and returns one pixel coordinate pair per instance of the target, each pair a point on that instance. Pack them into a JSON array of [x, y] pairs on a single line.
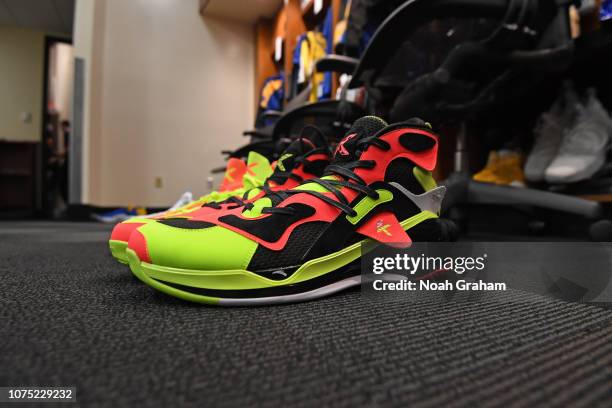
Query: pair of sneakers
[[572, 139], [285, 243]]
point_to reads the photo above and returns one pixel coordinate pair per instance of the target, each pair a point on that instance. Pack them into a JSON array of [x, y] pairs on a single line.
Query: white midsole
[[296, 297], [304, 296]]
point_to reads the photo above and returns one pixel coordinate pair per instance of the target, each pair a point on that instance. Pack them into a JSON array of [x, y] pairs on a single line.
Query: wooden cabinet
[[18, 175]]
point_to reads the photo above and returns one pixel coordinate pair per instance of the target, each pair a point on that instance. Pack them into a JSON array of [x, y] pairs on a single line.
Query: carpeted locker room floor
[[71, 316]]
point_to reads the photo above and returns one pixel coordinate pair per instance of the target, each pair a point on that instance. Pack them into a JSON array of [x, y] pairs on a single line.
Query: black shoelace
[[345, 170], [279, 177]]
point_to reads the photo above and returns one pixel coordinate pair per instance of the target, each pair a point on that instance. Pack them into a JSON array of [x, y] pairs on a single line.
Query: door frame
[[43, 187]]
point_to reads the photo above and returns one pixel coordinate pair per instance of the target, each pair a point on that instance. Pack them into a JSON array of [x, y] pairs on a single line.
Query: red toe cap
[[138, 244], [122, 231]]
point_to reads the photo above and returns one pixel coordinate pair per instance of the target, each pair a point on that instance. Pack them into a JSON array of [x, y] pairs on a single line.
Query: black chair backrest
[[324, 115], [519, 35], [396, 28]]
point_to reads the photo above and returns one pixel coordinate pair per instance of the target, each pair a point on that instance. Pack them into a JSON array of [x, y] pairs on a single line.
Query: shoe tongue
[[311, 138], [258, 169], [234, 171], [417, 122], [362, 128]]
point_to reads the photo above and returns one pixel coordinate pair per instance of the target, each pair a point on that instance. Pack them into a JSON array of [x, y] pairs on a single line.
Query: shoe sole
[[323, 277], [578, 176], [118, 250], [138, 270]]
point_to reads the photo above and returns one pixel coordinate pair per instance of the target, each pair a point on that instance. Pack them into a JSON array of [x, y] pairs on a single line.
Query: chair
[[333, 117], [506, 47]]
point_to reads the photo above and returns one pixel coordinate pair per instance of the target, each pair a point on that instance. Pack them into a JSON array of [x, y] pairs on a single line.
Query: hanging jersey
[[272, 93]]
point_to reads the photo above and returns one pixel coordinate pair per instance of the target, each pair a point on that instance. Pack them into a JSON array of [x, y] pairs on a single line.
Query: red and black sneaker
[[305, 158], [301, 243]]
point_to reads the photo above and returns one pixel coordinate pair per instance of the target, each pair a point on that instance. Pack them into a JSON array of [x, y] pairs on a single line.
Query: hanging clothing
[[325, 87], [364, 19], [340, 31], [295, 84], [272, 96], [272, 92], [606, 10], [311, 47]]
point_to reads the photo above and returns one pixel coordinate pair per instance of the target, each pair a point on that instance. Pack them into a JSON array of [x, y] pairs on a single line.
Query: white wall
[[21, 83], [61, 79], [171, 92], [88, 21]]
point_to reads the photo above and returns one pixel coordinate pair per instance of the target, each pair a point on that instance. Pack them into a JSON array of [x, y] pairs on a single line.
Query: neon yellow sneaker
[[238, 178], [302, 243]]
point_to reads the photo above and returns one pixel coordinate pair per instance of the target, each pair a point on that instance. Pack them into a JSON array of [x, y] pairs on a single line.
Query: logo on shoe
[[382, 227], [229, 174], [280, 161], [340, 149], [250, 167]]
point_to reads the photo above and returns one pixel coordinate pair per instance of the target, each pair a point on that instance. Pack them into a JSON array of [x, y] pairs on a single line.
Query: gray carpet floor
[[71, 316]]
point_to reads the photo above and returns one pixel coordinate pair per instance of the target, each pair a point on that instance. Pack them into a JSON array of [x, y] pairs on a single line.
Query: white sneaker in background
[[185, 199], [583, 149], [549, 132]]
